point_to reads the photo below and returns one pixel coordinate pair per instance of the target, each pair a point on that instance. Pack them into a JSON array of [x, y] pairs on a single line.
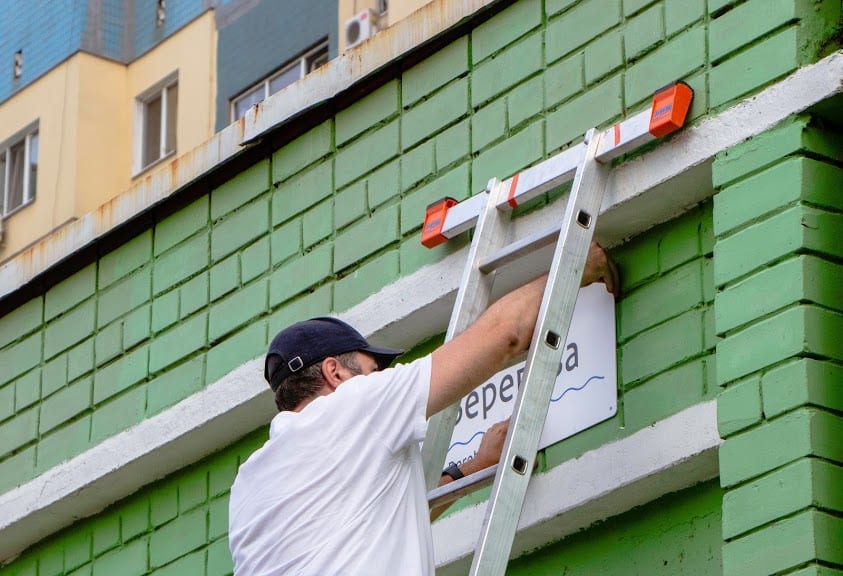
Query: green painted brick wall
[[330, 218]]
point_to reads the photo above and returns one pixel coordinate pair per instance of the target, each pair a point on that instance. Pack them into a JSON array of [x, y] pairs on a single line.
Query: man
[[338, 488]]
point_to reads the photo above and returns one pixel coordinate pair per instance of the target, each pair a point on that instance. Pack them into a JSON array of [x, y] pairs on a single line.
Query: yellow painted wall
[[86, 112], [398, 10]]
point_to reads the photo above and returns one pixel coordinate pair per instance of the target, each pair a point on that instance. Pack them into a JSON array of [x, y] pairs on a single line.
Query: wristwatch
[[453, 471]]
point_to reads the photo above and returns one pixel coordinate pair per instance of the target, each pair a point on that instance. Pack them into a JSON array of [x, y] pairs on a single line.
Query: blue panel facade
[[255, 42], [146, 31]]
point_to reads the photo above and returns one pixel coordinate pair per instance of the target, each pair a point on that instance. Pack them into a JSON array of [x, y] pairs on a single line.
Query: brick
[[663, 346], [804, 432], [366, 238], [554, 6], [630, 7], [54, 375], [125, 259], [799, 228], [785, 544], [178, 227], [436, 71], [70, 292], [300, 193], [184, 534], [128, 560], [564, 79], [124, 372], [219, 559], [452, 145], [191, 564], [788, 138], [587, 20], [65, 404], [239, 229], [507, 69], [194, 294], [366, 280], [795, 331], [106, 532], [716, 7], [802, 484], [488, 124], [240, 190], [679, 14], [69, 329], [349, 205], [317, 224], [27, 390], [603, 56], [317, 302], [739, 406], [664, 395], [177, 343], [383, 184], [803, 278], [222, 469], [800, 382], [63, 444], [435, 112], [417, 165], [525, 102], [675, 59], [180, 263], [193, 489], [754, 68], [681, 241], [224, 277], [236, 350], [17, 469], [789, 181], [21, 321], [504, 28], [218, 518], [165, 311], [254, 262], [7, 400], [21, 357], [107, 343], [300, 274], [175, 385], [18, 431], [236, 310], [163, 503], [667, 296], [136, 326], [369, 111], [746, 23], [128, 294], [513, 154], [413, 205], [51, 560], [134, 518], [303, 151], [366, 154], [643, 31], [593, 108], [118, 414], [77, 549]]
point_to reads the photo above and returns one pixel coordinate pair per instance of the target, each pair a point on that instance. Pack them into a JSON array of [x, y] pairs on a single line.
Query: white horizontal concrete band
[[675, 453], [642, 193]]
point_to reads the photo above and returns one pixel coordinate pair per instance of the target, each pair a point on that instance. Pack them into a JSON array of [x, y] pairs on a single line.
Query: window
[[18, 170], [157, 113], [292, 71]]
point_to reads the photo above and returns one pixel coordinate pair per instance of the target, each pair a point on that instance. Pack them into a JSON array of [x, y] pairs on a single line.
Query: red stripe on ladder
[[512, 187]]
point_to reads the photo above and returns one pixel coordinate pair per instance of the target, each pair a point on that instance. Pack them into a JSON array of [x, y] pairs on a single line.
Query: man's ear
[[331, 372]]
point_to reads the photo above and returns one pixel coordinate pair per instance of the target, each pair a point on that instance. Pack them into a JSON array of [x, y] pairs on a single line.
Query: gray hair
[[307, 382]]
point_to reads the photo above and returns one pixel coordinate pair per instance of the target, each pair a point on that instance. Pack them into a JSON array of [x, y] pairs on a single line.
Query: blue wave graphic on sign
[[557, 399]]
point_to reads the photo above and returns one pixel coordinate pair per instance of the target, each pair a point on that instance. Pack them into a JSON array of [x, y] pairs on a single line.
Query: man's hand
[[600, 268], [490, 449]]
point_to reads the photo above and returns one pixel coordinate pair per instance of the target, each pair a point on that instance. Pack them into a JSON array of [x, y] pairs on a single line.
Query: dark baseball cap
[[306, 343]]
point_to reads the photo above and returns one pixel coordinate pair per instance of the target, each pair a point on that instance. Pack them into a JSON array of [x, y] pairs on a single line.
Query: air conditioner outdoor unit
[[360, 27]]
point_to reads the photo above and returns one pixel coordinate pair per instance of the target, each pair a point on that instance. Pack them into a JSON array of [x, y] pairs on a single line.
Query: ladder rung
[[458, 488], [519, 248]]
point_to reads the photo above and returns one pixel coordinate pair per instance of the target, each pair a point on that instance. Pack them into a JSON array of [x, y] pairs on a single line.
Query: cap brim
[[383, 356]]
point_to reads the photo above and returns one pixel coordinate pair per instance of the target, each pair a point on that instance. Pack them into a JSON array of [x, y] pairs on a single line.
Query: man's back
[[338, 488]]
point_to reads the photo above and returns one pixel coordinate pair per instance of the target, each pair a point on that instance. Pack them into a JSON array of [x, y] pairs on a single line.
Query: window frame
[[303, 61], [28, 193], [142, 101]]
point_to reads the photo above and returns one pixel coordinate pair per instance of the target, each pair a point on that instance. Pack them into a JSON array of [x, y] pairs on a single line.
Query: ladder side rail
[[473, 297], [455, 490], [546, 350]]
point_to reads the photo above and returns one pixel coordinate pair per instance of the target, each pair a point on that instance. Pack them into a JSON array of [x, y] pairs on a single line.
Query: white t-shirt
[[338, 488]]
